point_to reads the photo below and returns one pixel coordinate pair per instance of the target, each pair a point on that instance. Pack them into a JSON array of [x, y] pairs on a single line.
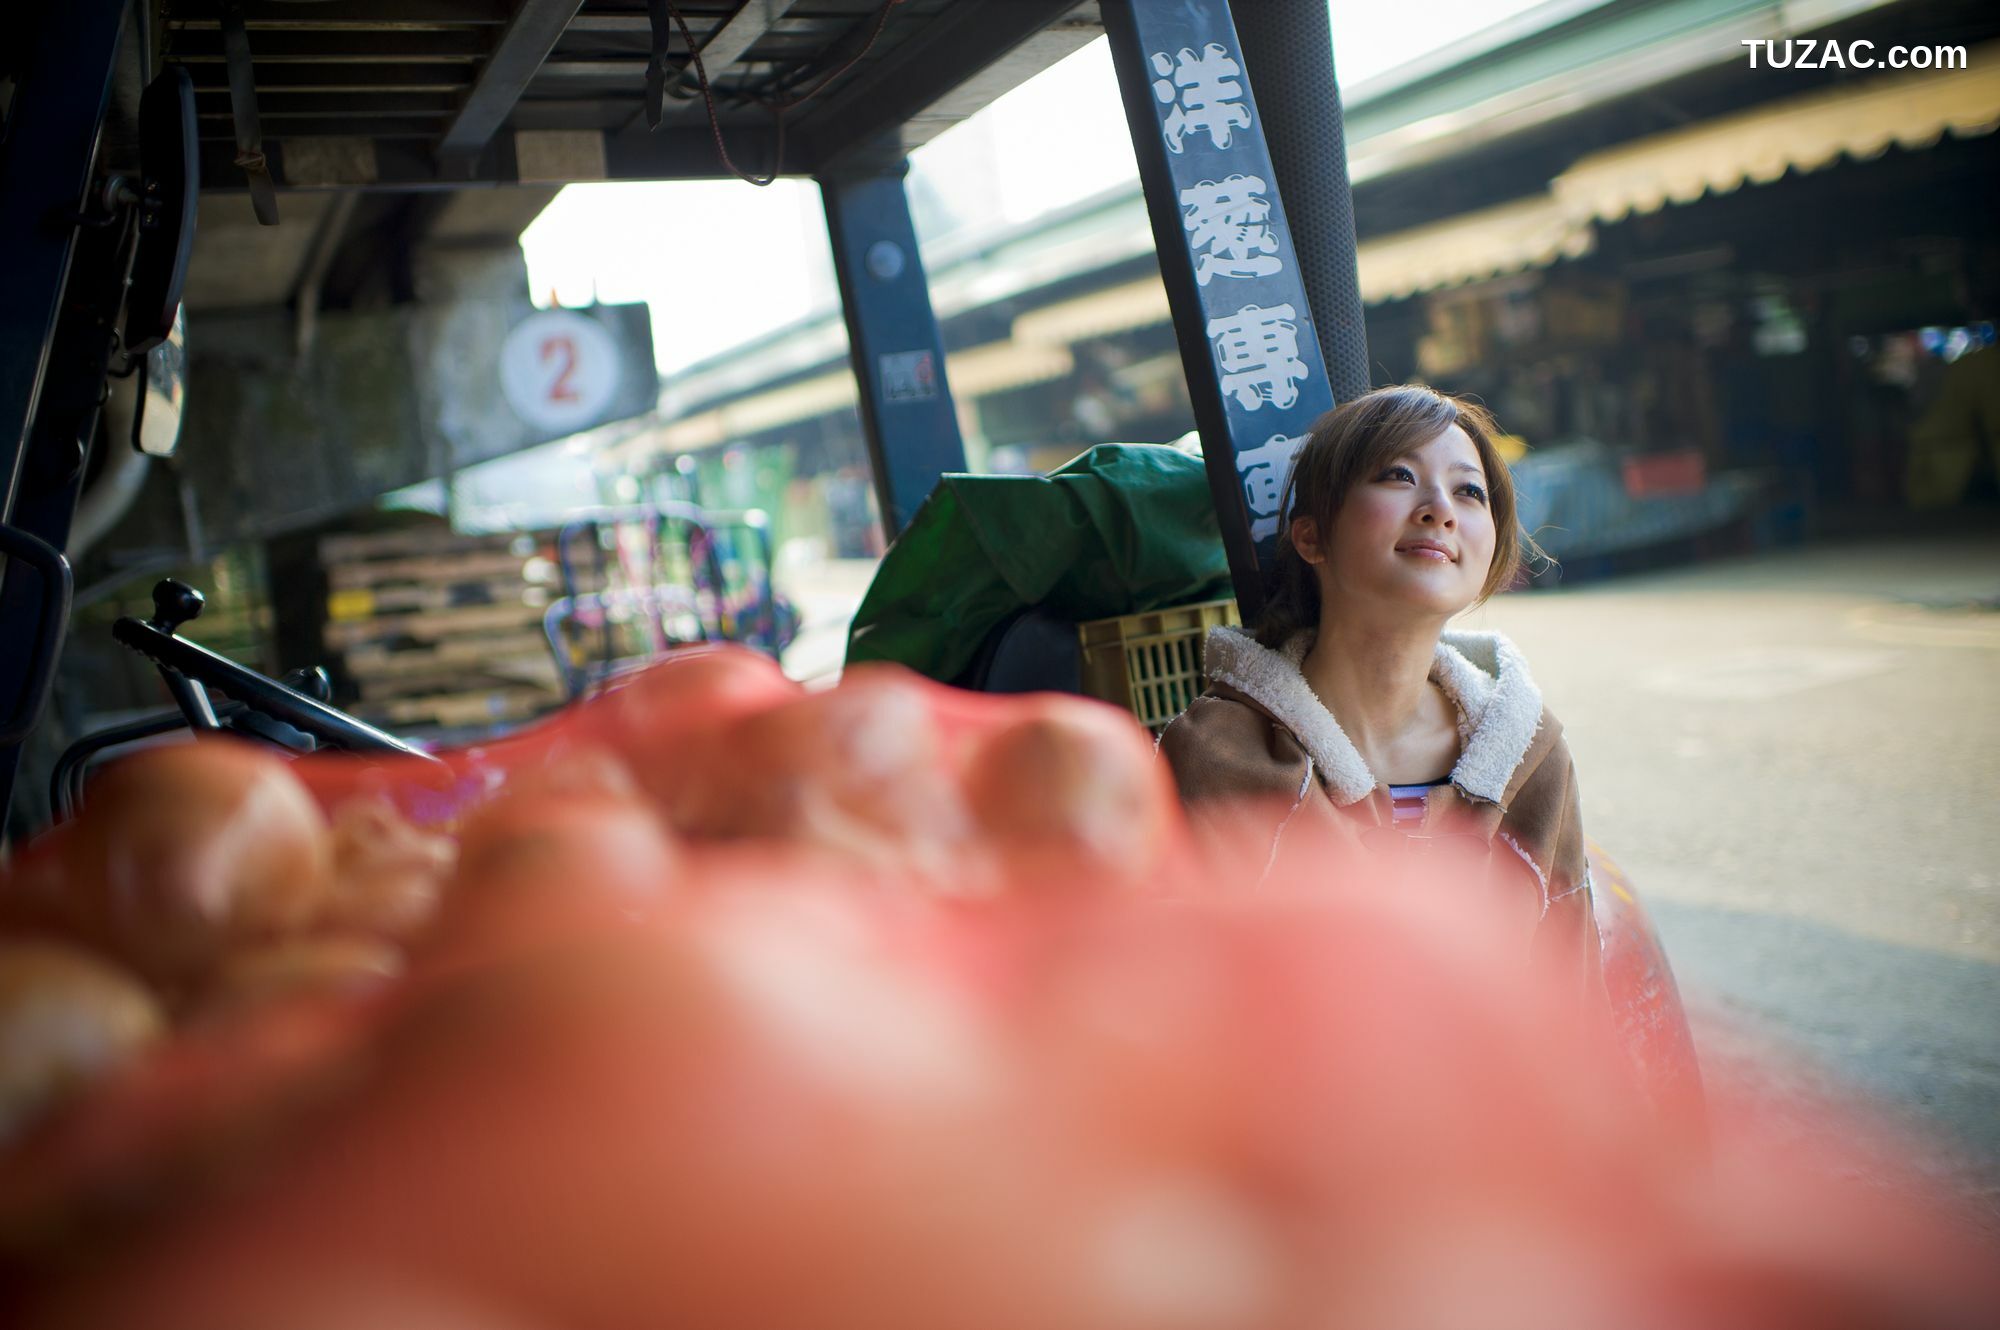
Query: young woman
[[1353, 708]]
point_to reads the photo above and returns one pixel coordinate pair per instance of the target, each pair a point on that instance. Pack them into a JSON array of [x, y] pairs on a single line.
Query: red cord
[[778, 107]]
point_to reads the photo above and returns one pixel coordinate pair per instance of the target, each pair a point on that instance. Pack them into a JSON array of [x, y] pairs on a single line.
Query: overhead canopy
[[404, 94], [978, 371], [1526, 234], [1860, 120], [999, 367], [817, 396], [1136, 304], [1493, 241]]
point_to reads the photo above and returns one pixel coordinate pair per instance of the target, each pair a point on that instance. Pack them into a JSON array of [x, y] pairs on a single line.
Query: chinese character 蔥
[[1258, 352], [1232, 222], [1205, 93], [1264, 470]]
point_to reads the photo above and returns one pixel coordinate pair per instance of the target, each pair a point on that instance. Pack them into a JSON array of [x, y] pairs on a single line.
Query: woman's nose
[[1436, 511]]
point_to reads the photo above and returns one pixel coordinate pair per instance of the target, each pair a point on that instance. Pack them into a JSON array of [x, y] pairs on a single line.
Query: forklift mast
[[1234, 116]]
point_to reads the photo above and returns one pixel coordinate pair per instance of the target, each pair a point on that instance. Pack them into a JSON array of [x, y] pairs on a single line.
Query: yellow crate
[[1150, 663]]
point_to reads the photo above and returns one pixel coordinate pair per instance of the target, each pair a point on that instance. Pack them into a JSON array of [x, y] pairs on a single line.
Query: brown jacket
[[1261, 733]]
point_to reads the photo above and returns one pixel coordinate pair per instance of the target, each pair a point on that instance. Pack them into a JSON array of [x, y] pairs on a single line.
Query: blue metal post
[[1254, 367], [45, 171], [49, 383], [893, 340]]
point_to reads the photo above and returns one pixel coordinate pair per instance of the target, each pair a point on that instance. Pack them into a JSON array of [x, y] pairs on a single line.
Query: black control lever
[[174, 603], [187, 665], [315, 683]]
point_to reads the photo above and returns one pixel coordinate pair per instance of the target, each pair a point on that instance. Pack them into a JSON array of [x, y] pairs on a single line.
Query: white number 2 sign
[[559, 370]]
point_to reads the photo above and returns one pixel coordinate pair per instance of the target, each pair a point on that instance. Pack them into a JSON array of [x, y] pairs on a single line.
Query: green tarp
[[1122, 528]]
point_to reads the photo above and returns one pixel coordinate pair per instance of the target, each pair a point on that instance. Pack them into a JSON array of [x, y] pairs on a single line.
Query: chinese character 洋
[[1257, 351], [1205, 93], [1232, 221], [1264, 470]]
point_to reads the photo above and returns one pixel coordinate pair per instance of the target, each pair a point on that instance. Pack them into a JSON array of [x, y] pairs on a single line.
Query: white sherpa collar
[[1482, 672]]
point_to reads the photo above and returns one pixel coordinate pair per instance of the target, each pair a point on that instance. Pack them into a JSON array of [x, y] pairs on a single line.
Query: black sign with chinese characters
[[1253, 364]]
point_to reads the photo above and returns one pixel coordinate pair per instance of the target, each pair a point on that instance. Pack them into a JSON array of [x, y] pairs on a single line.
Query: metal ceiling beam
[[348, 117], [397, 164], [452, 45], [965, 54], [213, 103], [345, 78], [536, 28], [380, 127], [617, 68], [363, 15], [638, 25], [633, 69], [736, 35], [687, 153]]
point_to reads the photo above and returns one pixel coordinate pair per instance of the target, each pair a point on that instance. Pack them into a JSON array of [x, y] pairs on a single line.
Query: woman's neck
[[1375, 678]]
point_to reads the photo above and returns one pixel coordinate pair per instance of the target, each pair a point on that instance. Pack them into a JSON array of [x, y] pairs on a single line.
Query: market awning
[[1531, 233], [1860, 120], [1804, 133], [1137, 304], [999, 367], [812, 397], [1527, 234], [976, 372]]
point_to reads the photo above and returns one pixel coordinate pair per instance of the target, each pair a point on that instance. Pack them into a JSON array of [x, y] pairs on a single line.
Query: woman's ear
[[1305, 539]]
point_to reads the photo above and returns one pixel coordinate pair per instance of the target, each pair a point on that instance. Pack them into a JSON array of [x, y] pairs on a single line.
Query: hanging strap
[[657, 72], [243, 110]]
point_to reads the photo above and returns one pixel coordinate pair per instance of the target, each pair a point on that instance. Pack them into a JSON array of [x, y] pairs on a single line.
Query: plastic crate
[[1150, 663]]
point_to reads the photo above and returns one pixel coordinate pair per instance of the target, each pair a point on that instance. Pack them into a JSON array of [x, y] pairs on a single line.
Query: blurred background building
[[1764, 286], [1716, 306]]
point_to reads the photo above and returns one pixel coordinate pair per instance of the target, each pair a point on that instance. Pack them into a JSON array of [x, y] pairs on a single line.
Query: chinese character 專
[[1257, 351]]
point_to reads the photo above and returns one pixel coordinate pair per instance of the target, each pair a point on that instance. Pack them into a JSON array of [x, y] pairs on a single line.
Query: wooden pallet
[[433, 628], [410, 541], [353, 603], [377, 661], [427, 626], [432, 569], [457, 710], [538, 672]]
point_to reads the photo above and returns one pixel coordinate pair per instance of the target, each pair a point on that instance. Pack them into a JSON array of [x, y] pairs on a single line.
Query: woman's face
[[1418, 534]]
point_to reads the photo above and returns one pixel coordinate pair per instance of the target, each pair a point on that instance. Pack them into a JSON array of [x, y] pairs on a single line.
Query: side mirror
[[162, 394], [169, 176]]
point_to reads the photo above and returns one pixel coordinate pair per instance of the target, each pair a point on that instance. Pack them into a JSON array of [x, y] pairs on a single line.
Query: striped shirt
[[1407, 801]]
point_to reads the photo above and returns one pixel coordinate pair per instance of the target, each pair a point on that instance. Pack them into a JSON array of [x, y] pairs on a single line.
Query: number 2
[[563, 348]]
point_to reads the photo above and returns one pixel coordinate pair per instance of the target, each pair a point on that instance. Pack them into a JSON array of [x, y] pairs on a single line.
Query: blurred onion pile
[[719, 1003]]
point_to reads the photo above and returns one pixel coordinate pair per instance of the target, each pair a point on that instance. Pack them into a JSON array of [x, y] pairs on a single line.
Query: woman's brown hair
[[1353, 442]]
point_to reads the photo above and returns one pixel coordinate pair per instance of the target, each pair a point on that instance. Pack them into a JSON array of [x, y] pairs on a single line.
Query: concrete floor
[[1797, 757]]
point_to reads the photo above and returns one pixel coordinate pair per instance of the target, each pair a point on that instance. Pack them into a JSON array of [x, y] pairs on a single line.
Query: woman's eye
[[1399, 473], [1474, 490]]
